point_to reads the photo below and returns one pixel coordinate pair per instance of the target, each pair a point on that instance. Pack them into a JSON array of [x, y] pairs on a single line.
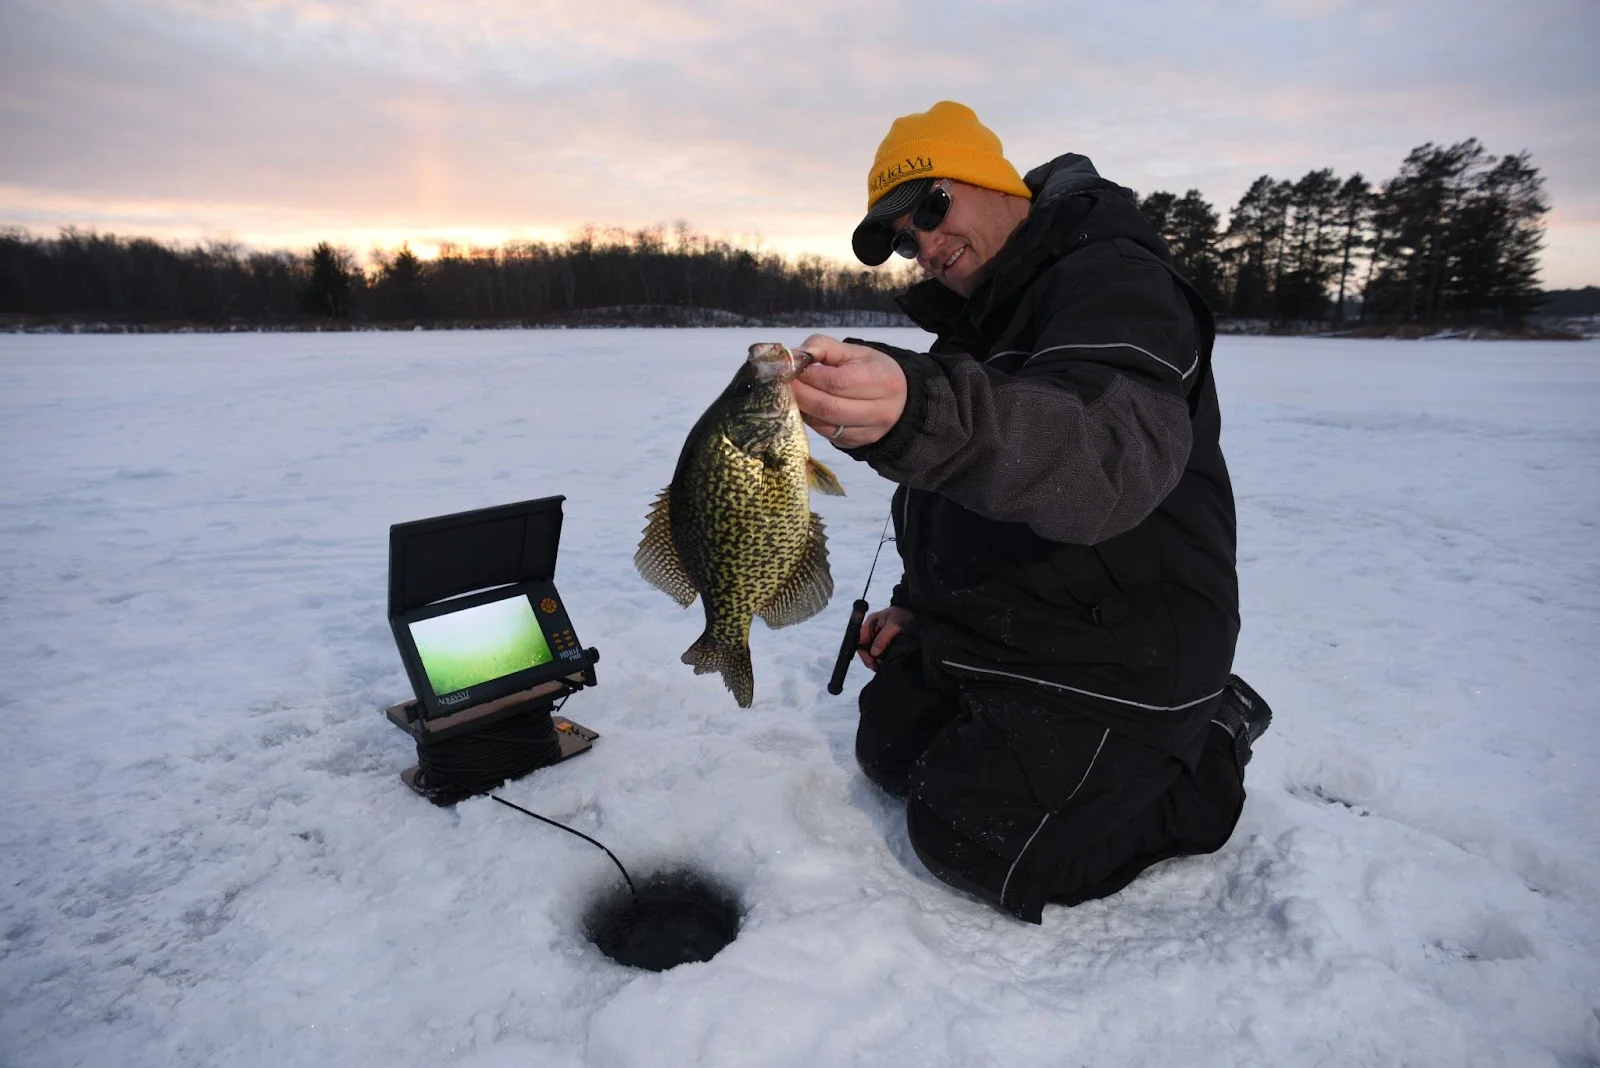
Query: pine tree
[[1416, 211], [1274, 233], [1500, 232], [1189, 227], [1157, 208], [403, 277], [1194, 244], [1353, 210], [1302, 287], [1249, 249], [326, 291]]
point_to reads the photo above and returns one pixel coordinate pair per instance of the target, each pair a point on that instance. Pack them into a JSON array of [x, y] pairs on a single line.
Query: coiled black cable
[[480, 760]]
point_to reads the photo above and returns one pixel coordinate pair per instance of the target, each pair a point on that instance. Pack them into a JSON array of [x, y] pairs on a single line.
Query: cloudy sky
[[282, 122]]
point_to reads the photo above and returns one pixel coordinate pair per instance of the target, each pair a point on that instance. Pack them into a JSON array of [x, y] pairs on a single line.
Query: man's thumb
[[825, 350]]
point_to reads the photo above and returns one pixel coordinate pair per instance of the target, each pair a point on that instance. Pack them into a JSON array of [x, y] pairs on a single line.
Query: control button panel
[[557, 627]]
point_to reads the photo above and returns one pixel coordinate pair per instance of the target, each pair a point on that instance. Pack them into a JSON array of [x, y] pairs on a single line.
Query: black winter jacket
[[1064, 513]]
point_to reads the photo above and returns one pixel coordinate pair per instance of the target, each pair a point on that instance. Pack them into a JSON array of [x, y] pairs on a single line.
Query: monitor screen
[[476, 644]]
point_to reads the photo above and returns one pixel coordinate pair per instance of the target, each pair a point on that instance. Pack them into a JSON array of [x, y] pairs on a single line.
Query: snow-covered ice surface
[[209, 858]]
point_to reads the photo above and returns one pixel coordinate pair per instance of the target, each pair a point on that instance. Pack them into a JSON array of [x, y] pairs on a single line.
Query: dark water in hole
[[680, 916]]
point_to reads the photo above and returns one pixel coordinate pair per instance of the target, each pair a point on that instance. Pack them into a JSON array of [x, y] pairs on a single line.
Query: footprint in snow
[[1320, 793]]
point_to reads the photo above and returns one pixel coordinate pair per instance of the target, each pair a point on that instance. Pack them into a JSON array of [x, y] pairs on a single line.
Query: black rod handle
[[847, 648]]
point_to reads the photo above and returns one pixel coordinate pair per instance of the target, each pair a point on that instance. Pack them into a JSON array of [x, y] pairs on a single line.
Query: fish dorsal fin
[[809, 586], [657, 558], [821, 479]]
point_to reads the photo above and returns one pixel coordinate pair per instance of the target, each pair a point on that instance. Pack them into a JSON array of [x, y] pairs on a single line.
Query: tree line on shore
[[78, 275], [1454, 236]]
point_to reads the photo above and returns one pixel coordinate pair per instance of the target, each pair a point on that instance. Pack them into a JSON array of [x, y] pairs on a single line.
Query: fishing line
[[883, 536], [858, 613]]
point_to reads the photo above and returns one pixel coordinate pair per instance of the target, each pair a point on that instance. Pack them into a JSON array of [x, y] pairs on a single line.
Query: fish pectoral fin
[[657, 558], [708, 654], [809, 586], [819, 478]]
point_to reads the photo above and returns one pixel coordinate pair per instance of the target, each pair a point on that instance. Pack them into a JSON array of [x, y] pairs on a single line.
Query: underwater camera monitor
[[487, 646], [474, 649], [475, 612]]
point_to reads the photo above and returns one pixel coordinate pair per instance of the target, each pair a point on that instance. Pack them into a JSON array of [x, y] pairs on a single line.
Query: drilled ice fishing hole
[[672, 917]]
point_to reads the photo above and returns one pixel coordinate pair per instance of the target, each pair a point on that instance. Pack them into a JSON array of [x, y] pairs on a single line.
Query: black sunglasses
[[926, 216]]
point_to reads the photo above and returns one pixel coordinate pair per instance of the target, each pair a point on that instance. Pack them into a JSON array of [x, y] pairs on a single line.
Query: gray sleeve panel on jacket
[[1022, 451], [1091, 432]]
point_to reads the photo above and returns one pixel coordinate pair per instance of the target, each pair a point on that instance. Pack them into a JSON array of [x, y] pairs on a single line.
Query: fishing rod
[[858, 613]]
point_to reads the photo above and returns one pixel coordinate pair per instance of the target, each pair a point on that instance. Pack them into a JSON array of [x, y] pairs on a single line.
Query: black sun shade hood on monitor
[[457, 566], [449, 555]]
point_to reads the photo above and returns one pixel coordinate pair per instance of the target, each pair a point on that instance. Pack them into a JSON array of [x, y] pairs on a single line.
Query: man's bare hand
[[852, 395], [879, 629]]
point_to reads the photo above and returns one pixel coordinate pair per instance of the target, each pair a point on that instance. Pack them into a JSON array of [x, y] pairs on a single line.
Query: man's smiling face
[[978, 223]]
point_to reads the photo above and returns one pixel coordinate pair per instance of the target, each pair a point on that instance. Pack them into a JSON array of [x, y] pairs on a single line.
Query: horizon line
[[430, 246]]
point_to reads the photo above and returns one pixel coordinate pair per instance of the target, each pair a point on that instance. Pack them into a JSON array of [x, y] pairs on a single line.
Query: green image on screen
[[487, 641]]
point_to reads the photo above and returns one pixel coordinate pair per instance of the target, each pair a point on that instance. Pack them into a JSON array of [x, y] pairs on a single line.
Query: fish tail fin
[[709, 654]]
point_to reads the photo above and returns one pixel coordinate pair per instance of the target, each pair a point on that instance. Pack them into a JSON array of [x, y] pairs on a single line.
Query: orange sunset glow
[[280, 123]]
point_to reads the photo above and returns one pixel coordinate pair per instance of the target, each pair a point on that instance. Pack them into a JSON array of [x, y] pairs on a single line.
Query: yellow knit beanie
[[946, 141]]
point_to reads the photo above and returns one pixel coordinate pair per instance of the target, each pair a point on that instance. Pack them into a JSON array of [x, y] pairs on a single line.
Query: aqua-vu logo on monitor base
[[455, 698]]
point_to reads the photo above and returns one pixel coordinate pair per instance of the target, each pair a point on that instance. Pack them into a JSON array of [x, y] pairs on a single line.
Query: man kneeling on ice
[[1052, 692]]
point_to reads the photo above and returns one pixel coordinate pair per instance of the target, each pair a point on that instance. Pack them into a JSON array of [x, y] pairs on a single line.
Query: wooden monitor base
[[408, 715]]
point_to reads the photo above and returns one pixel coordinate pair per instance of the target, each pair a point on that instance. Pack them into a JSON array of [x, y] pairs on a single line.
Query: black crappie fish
[[735, 526]]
